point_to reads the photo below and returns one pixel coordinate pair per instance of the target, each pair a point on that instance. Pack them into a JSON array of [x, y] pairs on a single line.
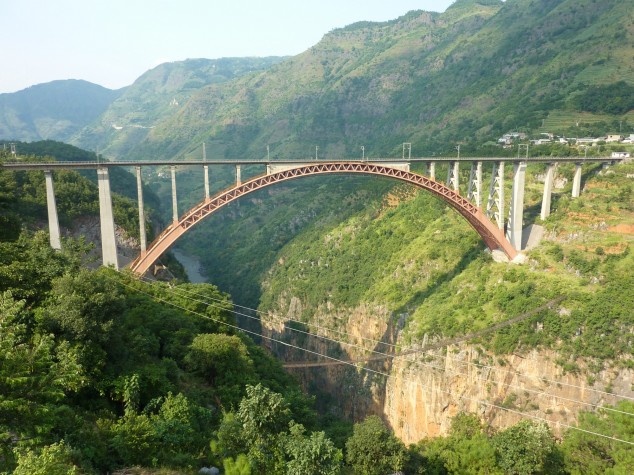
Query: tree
[[467, 450], [240, 466], [84, 306], [264, 415], [373, 449], [35, 375], [590, 454], [311, 454], [526, 448], [224, 361], [56, 459]]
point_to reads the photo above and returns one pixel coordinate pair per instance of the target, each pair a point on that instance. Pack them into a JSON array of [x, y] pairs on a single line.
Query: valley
[[307, 325]]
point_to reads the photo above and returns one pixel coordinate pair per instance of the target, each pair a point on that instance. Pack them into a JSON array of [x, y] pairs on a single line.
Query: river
[[191, 265]]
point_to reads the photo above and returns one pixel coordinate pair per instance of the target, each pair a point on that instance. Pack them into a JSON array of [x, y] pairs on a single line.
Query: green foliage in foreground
[[98, 372]]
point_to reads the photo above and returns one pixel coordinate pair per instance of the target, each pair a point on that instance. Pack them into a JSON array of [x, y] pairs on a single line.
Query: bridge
[[486, 216]]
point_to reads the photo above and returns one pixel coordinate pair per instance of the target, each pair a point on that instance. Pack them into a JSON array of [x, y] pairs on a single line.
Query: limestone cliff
[[419, 393]]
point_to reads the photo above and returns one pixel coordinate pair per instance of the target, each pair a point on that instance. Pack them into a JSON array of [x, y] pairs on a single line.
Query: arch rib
[[493, 237]]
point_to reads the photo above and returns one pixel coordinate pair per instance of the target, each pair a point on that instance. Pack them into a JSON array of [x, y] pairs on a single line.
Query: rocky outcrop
[[419, 393], [89, 228]]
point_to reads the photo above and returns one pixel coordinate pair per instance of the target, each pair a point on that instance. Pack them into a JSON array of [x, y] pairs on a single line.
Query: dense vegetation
[[99, 371], [415, 257], [614, 99]]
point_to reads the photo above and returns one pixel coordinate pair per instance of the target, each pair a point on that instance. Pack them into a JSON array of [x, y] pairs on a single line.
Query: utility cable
[[455, 372], [425, 351], [288, 319], [386, 375]]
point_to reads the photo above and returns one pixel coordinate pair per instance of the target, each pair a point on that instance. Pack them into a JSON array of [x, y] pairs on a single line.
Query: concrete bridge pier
[[576, 181], [238, 175], [474, 192], [206, 175], [432, 170], [495, 203], [51, 205], [139, 191], [548, 190], [106, 218], [516, 211], [453, 175], [174, 200]]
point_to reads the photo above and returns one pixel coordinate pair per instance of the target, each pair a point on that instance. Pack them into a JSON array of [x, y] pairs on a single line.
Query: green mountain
[[54, 110], [476, 71], [157, 96]]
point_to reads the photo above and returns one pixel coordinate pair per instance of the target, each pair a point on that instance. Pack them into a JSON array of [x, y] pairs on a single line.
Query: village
[[511, 138]]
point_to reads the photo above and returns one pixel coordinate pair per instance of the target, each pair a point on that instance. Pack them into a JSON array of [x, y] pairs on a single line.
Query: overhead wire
[[341, 332], [386, 355], [422, 351], [386, 375]]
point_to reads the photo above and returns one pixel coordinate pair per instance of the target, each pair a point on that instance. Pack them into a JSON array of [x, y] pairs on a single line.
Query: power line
[[455, 372], [386, 375], [386, 355], [425, 351], [289, 319]]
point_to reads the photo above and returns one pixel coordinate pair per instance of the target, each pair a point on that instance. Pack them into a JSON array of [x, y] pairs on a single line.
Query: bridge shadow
[[419, 296]]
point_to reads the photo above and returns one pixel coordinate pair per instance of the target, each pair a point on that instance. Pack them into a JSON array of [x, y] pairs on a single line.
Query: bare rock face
[[419, 392], [89, 228]]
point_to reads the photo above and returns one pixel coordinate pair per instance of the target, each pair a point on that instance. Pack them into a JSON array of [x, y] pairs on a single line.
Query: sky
[[113, 42]]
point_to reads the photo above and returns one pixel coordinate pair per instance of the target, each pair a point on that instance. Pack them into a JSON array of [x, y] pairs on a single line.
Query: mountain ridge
[[57, 109]]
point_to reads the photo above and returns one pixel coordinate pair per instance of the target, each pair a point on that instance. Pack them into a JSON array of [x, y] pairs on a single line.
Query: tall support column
[[51, 205], [453, 174], [139, 191], [548, 190], [206, 175], [238, 175], [106, 218], [475, 184], [516, 212], [174, 200], [495, 203], [576, 181], [432, 170]]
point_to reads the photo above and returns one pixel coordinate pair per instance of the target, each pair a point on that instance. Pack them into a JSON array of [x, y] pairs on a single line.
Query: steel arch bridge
[[491, 234]]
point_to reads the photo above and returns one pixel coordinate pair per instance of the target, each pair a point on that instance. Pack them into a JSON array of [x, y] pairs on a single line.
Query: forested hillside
[[55, 110], [100, 371], [470, 74], [159, 95]]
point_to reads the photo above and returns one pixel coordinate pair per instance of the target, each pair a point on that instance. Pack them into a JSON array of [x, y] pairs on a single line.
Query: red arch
[[491, 234]]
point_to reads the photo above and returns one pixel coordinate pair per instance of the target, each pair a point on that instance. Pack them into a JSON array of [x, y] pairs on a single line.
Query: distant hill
[[54, 110], [478, 70], [156, 97]]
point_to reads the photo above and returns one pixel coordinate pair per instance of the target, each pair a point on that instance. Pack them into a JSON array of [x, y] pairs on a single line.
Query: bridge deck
[[17, 165]]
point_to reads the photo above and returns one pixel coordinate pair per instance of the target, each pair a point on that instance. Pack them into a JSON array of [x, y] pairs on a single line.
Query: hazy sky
[[112, 42]]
